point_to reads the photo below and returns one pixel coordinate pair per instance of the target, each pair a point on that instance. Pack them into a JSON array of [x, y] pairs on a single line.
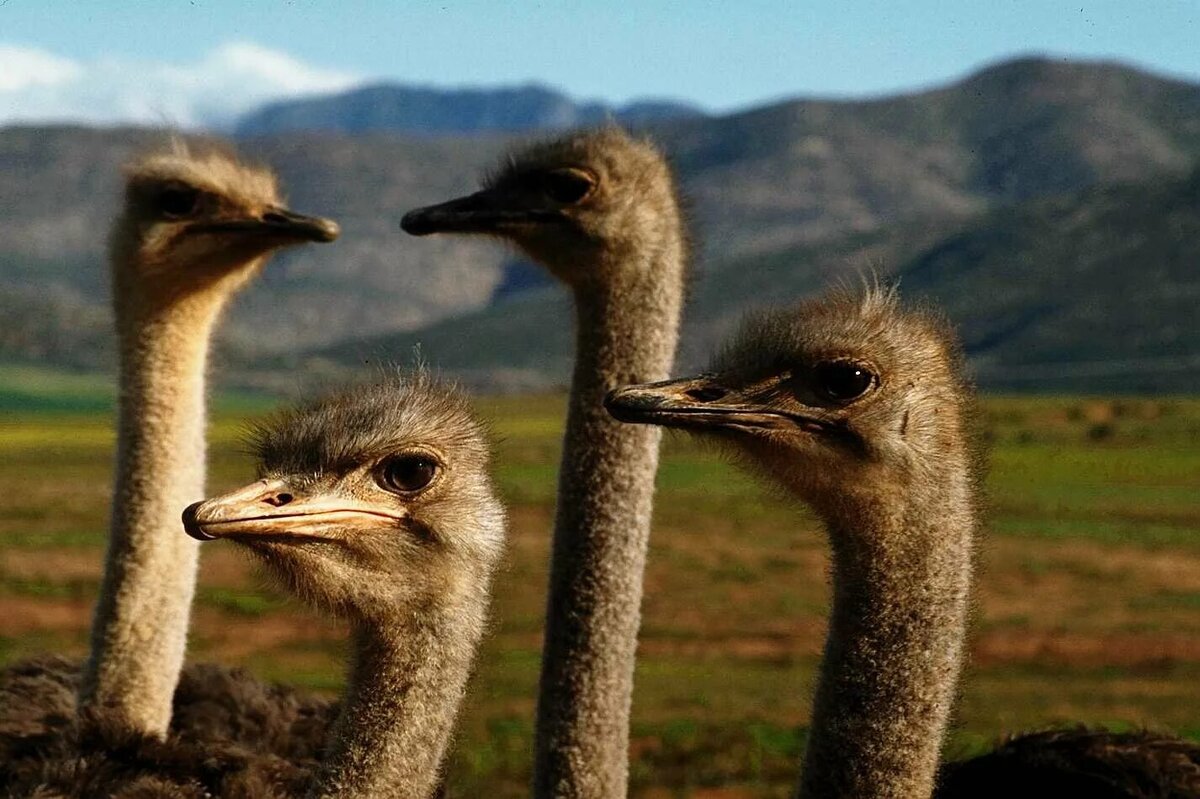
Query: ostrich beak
[[276, 223], [487, 211], [272, 509], [701, 403]]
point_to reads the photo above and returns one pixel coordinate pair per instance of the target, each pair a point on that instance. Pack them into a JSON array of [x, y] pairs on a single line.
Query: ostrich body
[[231, 736], [194, 229], [1096, 763], [860, 410], [376, 506], [600, 211]]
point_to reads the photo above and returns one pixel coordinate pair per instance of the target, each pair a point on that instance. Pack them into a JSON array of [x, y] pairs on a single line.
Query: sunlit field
[[1088, 586]]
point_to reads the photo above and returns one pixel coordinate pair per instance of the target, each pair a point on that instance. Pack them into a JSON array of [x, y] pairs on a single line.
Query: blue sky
[[190, 62]]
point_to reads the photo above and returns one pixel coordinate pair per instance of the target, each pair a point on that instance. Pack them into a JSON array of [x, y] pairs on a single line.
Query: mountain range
[[1050, 206], [394, 108]]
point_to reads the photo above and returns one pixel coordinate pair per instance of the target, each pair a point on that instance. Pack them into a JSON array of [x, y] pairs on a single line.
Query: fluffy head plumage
[[830, 395], [209, 166], [623, 159], [918, 408], [867, 324], [196, 218], [328, 518], [633, 204], [593, 206], [340, 430]]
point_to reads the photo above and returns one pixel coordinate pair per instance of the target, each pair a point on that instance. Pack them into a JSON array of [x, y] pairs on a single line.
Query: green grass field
[[1088, 590]]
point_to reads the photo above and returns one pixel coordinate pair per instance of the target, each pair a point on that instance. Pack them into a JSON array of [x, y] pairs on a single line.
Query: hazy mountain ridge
[[1095, 290], [810, 169], [418, 110], [785, 198], [1105, 283], [60, 186]]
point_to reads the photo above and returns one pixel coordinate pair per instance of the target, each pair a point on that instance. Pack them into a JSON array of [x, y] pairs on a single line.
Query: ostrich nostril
[[278, 219], [706, 394], [282, 498]]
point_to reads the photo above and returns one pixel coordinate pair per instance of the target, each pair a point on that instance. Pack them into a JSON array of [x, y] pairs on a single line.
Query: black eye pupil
[[177, 202], [409, 473], [566, 187], [841, 381]]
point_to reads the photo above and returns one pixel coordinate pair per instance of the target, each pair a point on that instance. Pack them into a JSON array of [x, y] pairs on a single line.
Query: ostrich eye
[[842, 381], [567, 186], [177, 201], [406, 474]]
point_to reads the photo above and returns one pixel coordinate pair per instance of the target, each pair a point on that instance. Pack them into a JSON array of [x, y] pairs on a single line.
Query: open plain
[[1088, 598]]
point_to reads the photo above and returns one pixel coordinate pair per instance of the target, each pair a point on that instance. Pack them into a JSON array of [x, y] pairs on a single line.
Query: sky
[[203, 62]]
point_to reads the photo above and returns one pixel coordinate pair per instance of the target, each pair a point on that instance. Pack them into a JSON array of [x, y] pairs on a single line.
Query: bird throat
[[626, 332], [406, 681], [901, 580], [139, 632]]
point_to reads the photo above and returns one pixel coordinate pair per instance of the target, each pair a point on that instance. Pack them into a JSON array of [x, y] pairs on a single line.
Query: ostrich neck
[[139, 632], [901, 578], [626, 332], [407, 679]]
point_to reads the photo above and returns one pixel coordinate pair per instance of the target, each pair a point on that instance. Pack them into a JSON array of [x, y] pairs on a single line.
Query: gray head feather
[[363, 422]]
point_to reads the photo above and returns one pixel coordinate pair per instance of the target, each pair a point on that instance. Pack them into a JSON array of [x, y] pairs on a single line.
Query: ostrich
[[194, 229], [373, 504], [196, 225], [600, 211], [376, 505], [861, 411]]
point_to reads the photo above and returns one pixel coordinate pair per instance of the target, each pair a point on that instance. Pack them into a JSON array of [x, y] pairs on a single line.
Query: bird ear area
[[569, 185]]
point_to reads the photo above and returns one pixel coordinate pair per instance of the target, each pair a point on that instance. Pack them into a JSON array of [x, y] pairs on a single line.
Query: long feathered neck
[[139, 632], [626, 332], [901, 578], [407, 678]]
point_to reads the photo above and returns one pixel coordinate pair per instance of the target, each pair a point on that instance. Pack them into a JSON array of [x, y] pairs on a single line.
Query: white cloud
[[39, 86], [24, 67]]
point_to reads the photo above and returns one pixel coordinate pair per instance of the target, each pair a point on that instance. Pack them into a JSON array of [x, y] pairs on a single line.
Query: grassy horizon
[[1088, 593]]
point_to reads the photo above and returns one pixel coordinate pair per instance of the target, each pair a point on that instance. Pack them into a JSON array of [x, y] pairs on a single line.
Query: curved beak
[[272, 509], [278, 223], [700, 403], [487, 211]]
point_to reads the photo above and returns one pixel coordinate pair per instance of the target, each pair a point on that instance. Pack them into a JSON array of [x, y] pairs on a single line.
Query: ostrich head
[[370, 500], [580, 205], [846, 393], [196, 219]]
